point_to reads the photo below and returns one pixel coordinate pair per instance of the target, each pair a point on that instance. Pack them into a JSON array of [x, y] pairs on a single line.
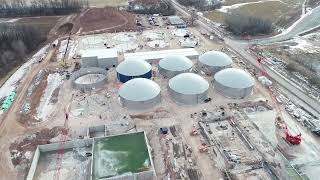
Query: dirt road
[[9, 127]]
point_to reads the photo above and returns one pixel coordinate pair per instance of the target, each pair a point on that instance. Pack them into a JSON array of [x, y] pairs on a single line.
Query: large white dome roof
[[139, 89], [188, 83]]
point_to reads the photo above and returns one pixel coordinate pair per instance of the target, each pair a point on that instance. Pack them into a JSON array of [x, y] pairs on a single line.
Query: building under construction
[[125, 156]]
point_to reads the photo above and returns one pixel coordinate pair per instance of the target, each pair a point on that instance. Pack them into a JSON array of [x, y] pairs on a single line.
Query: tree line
[[18, 8], [203, 5], [16, 41], [164, 8], [307, 65], [240, 24]]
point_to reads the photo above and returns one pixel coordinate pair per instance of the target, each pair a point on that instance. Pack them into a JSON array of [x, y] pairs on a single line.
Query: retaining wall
[[85, 71]]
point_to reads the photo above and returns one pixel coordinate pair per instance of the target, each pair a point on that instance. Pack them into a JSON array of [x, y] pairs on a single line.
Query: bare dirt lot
[[104, 3], [107, 19]]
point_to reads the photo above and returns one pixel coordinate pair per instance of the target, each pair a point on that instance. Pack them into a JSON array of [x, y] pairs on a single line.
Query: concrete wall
[[107, 62], [85, 71], [54, 147], [146, 175], [67, 145], [34, 164], [89, 62], [97, 129]]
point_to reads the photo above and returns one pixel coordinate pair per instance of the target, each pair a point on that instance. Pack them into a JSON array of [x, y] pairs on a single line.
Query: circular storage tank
[[131, 69], [139, 93], [233, 83], [214, 61], [89, 78], [188, 88], [173, 65]]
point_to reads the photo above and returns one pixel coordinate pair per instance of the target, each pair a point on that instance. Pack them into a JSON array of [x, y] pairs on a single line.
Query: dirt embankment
[[104, 20], [21, 150]]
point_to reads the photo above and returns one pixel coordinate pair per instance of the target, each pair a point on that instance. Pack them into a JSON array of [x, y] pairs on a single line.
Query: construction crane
[[63, 61], [60, 152], [293, 139]]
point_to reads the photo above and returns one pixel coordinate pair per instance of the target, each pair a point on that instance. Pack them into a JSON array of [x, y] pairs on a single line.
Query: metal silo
[[233, 83], [131, 69], [188, 88], [173, 65], [214, 61], [139, 93]]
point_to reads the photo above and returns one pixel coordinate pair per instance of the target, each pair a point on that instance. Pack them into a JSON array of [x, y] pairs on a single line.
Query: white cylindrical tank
[[173, 65], [233, 83], [214, 61], [139, 93], [188, 88]]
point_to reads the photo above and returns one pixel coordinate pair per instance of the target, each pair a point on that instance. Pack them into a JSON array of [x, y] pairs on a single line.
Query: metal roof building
[[214, 61], [173, 65], [233, 83], [177, 21], [153, 56], [131, 69], [188, 88], [103, 58], [139, 93]]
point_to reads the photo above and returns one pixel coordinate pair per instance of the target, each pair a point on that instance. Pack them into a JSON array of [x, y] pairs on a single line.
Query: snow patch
[[225, 9], [44, 108], [73, 45], [11, 84], [306, 46]]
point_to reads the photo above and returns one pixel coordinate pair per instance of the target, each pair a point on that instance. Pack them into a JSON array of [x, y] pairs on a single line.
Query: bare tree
[[193, 16]]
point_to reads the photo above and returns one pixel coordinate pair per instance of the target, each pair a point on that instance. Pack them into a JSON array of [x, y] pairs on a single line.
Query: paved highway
[[240, 48]]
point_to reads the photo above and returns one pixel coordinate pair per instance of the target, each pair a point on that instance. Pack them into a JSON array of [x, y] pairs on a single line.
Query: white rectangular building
[[152, 56], [103, 58]]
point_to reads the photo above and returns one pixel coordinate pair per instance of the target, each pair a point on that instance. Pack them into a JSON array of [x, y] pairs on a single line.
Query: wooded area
[[20, 8], [240, 24], [164, 8], [16, 41], [203, 5]]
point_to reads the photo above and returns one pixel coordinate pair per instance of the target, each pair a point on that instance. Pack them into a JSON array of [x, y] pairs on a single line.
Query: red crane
[[292, 138], [60, 152]]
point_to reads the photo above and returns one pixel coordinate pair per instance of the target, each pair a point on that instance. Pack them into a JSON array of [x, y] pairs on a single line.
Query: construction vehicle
[[294, 139], [194, 132], [203, 149]]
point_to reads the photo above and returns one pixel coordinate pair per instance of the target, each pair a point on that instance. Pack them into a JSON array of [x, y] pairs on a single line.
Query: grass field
[[103, 3], [280, 13], [45, 23], [232, 2]]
